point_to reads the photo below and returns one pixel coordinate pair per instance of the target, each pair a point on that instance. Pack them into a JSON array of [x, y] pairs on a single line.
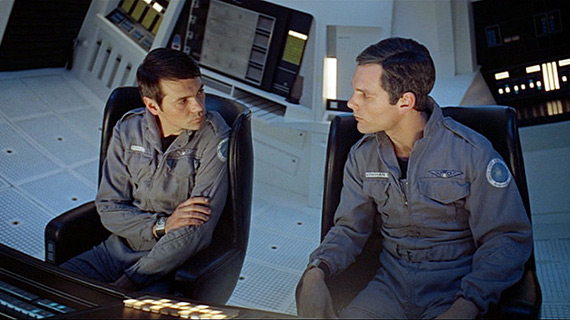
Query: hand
[[460, 309], [314, 298], [192, 212]]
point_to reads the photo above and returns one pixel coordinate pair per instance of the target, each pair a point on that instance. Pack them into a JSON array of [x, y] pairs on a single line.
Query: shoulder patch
[[223, 149], [498, 175]]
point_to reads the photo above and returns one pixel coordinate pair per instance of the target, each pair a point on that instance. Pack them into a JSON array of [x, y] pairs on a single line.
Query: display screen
[[294, 47], [236, 40]]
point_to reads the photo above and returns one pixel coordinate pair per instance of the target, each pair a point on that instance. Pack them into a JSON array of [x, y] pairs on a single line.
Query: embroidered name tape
[[137, 148], [383, 175]]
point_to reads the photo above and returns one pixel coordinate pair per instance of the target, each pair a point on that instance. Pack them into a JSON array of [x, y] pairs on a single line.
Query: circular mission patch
[[498, 175], [223, 150]]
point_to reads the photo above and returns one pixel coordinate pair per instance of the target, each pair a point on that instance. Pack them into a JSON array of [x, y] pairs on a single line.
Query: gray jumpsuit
[[456, 227], [141, 182]]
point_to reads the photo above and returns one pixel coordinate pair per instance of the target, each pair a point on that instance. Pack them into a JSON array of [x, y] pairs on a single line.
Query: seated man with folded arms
[[455, 231], [164, 181]]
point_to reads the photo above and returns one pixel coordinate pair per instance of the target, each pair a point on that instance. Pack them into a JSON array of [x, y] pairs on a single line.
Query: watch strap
[[321, 264]]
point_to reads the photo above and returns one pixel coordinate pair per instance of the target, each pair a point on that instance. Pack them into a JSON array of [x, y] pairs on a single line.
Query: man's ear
[[407, 101], [151, 105]]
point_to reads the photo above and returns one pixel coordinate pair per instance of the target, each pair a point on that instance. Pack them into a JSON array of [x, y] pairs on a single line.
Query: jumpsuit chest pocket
[[444, 199], [378, 190], [139, 164], [182, 165]]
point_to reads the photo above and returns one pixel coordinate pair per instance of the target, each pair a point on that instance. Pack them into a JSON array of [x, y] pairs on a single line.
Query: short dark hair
[[167, 64], [406, 67]]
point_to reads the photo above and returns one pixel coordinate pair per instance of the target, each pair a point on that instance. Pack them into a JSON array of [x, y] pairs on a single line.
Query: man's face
[[183, 106], [370, 102]]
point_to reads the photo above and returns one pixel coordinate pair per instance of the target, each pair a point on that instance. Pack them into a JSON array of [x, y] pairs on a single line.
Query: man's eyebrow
[[190, 96]]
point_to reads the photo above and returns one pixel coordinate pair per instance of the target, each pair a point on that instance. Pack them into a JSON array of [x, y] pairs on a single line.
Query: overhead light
[[157, 7], [502, 75], [564, 62], [550, 76], [532, 69], [298, 35], [330, 74]]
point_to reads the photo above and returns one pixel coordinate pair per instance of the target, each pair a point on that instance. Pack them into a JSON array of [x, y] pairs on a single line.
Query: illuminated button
[[516, 88], [531, 85], [501, 91], [129, 302], [523, 86], [564, 78], [507, 89], [538, 84]]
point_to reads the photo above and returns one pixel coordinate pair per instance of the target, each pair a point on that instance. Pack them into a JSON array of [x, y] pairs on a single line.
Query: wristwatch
[[160, 227], [321, 264]]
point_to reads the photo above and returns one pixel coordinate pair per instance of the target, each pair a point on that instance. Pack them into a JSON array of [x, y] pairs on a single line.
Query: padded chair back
[[120, 101], [497, 123]]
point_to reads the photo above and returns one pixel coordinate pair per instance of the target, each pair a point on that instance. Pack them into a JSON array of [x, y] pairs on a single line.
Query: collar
[[153, 135], [435, 120]]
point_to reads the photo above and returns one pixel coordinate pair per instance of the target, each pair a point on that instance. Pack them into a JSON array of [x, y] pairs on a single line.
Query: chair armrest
[[211, 275], [73, 232], [523, 300]]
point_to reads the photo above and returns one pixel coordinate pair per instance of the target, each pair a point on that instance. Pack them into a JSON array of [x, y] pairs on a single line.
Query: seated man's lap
[[105, 262], [404, 289]]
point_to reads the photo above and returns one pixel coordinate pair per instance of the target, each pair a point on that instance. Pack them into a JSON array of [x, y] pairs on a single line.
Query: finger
[[195, 208], [196, 200], [195, 222]]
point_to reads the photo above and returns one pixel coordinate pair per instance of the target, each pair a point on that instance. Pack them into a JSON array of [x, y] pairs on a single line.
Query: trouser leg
[[166, 256], [105, 262], [384, 296]]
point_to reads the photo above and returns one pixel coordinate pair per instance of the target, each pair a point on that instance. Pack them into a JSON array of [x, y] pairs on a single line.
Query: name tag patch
[[137, 148], [380, 175]]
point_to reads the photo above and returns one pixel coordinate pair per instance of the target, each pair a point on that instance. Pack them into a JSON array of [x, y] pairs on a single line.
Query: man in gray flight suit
[[164, 181], [455, 232]]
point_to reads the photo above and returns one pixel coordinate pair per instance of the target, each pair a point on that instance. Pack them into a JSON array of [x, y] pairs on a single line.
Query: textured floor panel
[[278, 249], [549, 182], [555, 311], [266, 288], [3, 183], [20, 160], [292, 221], [59, 192], [88, 121], [59, 138], [553, 250], [556, 278], [18, 101], [22, 223], [90, 172], [55, 91]]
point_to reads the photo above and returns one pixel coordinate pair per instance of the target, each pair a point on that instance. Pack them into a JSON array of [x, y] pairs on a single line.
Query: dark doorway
[[41, 33]]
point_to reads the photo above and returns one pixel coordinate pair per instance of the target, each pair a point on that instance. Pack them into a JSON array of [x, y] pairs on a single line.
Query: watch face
[[160, 226]]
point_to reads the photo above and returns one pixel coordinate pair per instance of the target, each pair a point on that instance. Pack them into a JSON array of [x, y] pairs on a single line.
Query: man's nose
[[350, 104], [197, 106]]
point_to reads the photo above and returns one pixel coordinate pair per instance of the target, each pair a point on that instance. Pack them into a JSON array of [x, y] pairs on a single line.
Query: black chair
[[496, 123], [210, 275]]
